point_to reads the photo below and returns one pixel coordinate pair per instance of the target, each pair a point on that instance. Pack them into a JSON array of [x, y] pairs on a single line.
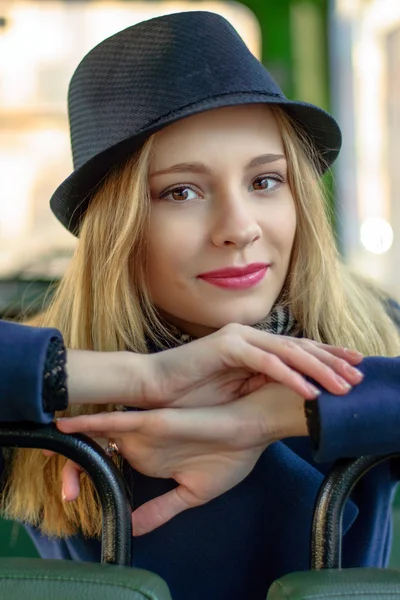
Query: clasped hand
[[215, 405], [206, 450]]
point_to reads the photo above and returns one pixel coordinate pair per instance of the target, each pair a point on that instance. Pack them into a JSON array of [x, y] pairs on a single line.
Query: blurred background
[[343, 55]]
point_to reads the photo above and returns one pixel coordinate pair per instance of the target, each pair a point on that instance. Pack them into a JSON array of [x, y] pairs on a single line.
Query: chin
[[215, 315], [246, 316]]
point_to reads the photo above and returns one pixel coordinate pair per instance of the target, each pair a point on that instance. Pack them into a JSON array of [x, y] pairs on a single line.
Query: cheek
[[171, 248], [288, 230], [279, 228]]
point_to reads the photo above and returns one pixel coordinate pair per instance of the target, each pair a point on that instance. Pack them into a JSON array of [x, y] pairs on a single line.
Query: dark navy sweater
[[236, 545]]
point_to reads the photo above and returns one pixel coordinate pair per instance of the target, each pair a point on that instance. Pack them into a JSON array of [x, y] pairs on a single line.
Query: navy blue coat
[[236, 545]]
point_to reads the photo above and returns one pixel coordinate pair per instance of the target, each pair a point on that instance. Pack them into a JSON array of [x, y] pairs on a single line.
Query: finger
[[337, 364], [49, 453], [159, 511], [311, 361], [253, 384], [70, 481], [283, 360], [295, 354], [99, 424], [163, 423], [351, 356], [267, 341], [272, 367]]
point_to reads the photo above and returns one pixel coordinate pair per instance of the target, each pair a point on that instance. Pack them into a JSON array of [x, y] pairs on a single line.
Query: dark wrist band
[[313, 422], [55, 392]]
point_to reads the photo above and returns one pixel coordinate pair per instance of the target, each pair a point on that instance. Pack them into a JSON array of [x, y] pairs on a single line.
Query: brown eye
[[265, 184], [261, 184], [180, 194]]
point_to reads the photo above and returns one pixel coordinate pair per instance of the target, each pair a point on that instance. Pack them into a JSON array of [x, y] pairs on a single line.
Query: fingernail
[[343, 384], [63, 496], [353, 372], [314, 390]]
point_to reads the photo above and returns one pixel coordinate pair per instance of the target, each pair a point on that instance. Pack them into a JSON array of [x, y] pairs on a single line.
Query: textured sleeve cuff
[[55, 394], [23, 352]]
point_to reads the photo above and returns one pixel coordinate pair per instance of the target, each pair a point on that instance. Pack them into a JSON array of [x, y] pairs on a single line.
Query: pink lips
[[237, 278]]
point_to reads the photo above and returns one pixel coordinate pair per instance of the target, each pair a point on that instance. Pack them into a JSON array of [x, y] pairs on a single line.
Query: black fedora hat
[[154, 73]]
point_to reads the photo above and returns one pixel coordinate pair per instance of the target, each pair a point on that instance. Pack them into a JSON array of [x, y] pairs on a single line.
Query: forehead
[[246, 128]]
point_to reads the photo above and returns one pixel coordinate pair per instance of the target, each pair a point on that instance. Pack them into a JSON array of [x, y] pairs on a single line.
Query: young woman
[[197, 199]]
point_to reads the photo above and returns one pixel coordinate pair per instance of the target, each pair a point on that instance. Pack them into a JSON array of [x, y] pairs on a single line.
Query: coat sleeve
[[22, 357], [366, 420]]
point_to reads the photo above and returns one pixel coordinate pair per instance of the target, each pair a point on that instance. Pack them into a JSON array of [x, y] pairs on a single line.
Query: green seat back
[[327, 580], [37, 579], [338, 584]]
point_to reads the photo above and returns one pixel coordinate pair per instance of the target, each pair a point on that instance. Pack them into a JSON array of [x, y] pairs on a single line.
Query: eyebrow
[[197, 167]]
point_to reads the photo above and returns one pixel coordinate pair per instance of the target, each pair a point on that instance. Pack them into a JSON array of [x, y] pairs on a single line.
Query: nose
[[235, 224]]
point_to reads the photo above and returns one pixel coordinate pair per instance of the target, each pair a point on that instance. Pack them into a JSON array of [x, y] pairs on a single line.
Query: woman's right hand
[[237, 360], [216, 369]]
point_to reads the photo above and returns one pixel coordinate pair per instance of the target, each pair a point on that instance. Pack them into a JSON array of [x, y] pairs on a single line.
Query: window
[[41, 43]]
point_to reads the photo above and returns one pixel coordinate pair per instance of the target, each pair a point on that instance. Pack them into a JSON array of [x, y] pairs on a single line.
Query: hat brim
[[71, 199]]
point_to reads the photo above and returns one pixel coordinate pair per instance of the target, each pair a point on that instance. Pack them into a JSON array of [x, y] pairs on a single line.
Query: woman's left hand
[[206, 450]]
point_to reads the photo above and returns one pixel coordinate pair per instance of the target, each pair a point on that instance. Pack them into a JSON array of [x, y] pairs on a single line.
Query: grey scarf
[[280, 321]]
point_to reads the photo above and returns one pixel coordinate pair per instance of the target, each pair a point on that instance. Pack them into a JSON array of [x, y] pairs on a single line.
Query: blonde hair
[[102, 303], [331, 303]]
